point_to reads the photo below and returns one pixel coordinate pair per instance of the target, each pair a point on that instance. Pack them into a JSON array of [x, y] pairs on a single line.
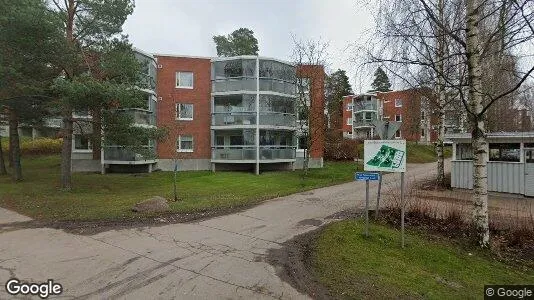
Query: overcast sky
[[186, 27]]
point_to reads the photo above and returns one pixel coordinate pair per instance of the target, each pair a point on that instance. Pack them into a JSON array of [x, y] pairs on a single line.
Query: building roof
[[458, 137]]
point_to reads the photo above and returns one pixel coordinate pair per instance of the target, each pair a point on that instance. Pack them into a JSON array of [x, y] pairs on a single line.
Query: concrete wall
[[505, 177], [313, 163], [86, 165], [184, 164]]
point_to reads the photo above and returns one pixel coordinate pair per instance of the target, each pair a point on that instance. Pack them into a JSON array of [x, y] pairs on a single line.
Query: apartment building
[[237, 113], [88, 156], [412, 107]]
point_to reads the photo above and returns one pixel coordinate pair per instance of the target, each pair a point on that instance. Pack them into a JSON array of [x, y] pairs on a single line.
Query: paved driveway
[[219, 258]]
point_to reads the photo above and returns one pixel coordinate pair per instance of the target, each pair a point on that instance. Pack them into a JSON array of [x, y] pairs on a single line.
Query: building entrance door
[[529, 172]]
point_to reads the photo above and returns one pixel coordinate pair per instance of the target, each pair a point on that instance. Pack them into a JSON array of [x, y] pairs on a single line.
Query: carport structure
[[510, 162]]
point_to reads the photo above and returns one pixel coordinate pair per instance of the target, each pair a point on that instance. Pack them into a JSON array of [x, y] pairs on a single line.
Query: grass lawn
[[419, 153], [352, 266], [111, 196]]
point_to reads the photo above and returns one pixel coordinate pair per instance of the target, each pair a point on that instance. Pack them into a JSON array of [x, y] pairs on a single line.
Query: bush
[[39, 146], [343, 149]]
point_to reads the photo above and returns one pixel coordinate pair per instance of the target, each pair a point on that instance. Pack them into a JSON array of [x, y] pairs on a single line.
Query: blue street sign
[[362, 176]]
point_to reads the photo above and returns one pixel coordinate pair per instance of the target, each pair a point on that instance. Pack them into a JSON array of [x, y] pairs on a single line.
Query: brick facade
[[169, 95], [317, 119], [347, 114]]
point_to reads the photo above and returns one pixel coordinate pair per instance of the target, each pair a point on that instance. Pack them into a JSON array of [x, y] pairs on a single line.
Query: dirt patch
[[98, 226], [294, 265]]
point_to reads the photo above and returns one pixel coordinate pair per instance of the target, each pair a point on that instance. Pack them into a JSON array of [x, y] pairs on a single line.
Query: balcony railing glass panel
[[121, 153], [234, 84], [233, 118], [365, 105], [234, 153], [278, 119]]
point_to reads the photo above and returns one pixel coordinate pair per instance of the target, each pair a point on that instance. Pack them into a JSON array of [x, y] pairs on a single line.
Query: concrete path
[[219, 258]]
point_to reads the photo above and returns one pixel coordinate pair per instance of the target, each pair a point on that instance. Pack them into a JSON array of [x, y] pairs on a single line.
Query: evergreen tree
[[381, 82], [239, 42]]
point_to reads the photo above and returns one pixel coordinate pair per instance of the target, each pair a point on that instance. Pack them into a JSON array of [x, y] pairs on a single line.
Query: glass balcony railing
[[141, 116], [121, 153], [364, 122], [249, 152], [233, 153], [278, 119], [276, 85], [233, 118], [234, 84], [277, 152], [365, 106]]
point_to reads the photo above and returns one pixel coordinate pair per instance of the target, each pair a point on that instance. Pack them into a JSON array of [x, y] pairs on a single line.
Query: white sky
[[186, 27]]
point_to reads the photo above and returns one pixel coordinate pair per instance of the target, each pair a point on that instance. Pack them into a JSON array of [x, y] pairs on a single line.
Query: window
[[236, 140], [398, 118], [185, 143], [350, 132], [422, 115], [504, 152], [82, 142], [398, 134], [398, 102], [219, 140], [184, 80], [349, 107], [422, 133], [464, 152], [184, 111], [349, 121]]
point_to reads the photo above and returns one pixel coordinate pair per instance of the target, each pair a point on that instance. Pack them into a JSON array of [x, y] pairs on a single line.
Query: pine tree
[[381, 82]]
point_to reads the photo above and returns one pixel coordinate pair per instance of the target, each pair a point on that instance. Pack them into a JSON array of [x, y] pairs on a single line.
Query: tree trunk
[[441, 97], [66, 151], [3, 170], [97, 134], [479, 142], [14, 141]]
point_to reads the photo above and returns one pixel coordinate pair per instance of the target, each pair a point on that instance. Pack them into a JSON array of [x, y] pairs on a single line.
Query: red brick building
[[209, 108], [414, 108]]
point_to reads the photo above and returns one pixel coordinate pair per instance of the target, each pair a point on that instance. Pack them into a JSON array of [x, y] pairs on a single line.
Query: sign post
[[386, 156], [365, 176]]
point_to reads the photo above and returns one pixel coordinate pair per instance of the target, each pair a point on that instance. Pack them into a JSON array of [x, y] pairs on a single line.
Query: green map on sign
[[387, 157]]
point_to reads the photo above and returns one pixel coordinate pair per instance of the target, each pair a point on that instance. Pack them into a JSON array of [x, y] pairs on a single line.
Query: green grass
[[353, 266], [111, 196], [419, 153]]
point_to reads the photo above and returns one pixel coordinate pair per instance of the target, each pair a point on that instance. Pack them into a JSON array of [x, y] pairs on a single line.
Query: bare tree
[[309, 57], [456, 40]]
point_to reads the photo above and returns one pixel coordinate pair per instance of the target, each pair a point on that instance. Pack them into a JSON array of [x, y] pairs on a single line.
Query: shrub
[[343, 149], [39, 146]]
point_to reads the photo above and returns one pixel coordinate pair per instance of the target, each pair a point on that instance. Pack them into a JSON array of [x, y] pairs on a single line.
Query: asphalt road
[[219, 258]]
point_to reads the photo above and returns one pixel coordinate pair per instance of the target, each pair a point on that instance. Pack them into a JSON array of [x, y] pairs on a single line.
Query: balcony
[[365, 105], [277, 85], [233, 118], [141, 116], [126, 155], [364, 123], [233, 153], [234, 84], [278, 119]]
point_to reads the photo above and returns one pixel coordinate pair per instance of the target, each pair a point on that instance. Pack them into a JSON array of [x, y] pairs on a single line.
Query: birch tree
[[470, 31]]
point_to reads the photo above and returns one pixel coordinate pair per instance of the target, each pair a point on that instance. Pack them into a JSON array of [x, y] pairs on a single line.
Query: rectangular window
[[236, 140], [422, 132], [82, 142], [422, 115], [184, 111], [464, 152], [349, 121], [185, 143], [398, 102], [302, 144], [184, 80], [504, 152], [349, 107], [398, 134], [398, 118], [219, 140]]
